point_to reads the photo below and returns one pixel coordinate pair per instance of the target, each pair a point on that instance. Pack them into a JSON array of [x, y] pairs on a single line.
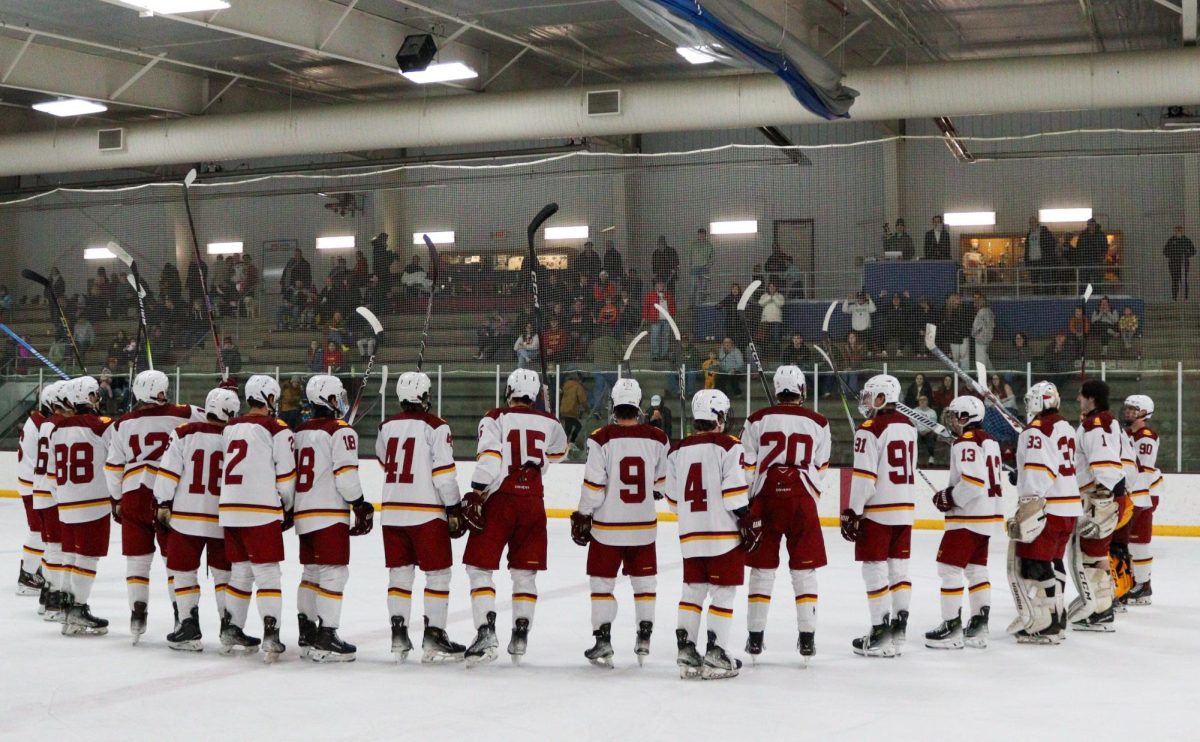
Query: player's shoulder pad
[[1094, 422], [280, 423], [1147, 433]]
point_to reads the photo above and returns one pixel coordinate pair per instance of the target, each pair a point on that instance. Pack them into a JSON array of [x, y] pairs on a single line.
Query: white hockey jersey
[[326, 473], [706, 482], [1046, 465], [258, 478], [788, 436], [75, 469], [189, 477], [882, 485], [511, 437], [975, 483], [43, 489], [28, 453], [139, 440], [420, 480], [1098, 443], [1148, 482], [626, 466]]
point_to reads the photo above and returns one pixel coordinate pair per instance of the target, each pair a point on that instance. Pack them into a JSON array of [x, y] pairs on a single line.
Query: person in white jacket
[[526, 346], [772, 318], [983, 329], [860, 314]]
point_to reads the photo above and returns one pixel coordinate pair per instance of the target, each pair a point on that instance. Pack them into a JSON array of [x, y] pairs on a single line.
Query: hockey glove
[[364, 517], [472, 511], [116, 510], [1012, 477], [162, 517], [943, 500], [581, 528], [288, 520], [455, 521], [749, 528], [851, 525]]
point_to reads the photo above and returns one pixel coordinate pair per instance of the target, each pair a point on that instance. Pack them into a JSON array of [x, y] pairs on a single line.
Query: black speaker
[[416, 53]]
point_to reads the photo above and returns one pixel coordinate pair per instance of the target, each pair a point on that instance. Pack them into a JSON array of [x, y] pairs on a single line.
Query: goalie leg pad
[[1032, 581]]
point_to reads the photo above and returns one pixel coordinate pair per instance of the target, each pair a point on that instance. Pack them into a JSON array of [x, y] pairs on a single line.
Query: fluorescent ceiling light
[[224, 248], [438, 238], [172, 7], [695, 55], [567, 233], [69, 107], [969, 218], [441, 73], [1052, 216], [340, 242], [748, 226], [98, 253]]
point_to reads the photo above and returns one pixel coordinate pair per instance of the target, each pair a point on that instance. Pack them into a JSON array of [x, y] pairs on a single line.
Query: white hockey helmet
[[968, 407], [60, 393], [790, 379], [264, 390], [321, 387], [84, 392], [627, 392], [413, 387], [48, 399], [1141, 405], [881, 384], [710, 405], [1041, 396], [523, 383], [150, 387], [222, 404]]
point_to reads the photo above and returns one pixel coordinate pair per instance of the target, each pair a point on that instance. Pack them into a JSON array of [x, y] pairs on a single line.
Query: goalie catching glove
[[364, 517], [472, 511], [1100, 513], [1029, 521], [581, 528]]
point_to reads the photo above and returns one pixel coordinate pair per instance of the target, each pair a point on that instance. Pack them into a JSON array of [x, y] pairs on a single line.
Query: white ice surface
[[1139, 683]]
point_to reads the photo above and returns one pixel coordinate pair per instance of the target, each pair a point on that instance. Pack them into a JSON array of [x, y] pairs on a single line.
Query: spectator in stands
[[937, 241], [772, 303], [366, 343], [106, 392], [361, 271], [943, 393], [957, 329], [169, 285], [297, 269], [900, 241], [983, 329], [860, 313], [6, 302], [1090, 252], [925, 314], [337, 331], [1078, 327], [332, 359], [232, 355], [1058, 362], [733, 321], [340, 270], [711, 367], [853, 356], [1179, 252], [196, 328], [315, 357], [197, 274], [607, 352], [586, 292], [556, 340], [799, 353], [1104, 324], [290, 394], [629, 314], [1004, 392], [926, 439], [732, 365], [604, 290], [1040, 252], [588, 262], [689, 357], [895, 322], [579, 333], [526, 346], [698, 264], [1128, 326], [917, 389], [117, 346], [288, 314], [777, 262], [85, 335], [572, 407], [613, 263], [634, 282], [660, 331], [380, 260], [1020, 356], [608, 318], [490, 338], [660, 416], [57, 283], [664, 262], [415, 278], [327, 300]]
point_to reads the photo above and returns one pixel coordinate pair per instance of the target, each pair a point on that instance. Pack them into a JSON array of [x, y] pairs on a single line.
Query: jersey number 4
[[693, 489]]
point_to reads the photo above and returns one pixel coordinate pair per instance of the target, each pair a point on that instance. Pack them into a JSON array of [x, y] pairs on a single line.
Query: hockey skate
[[186, 638], [878, 643], [519, 640], [137, 621], [327, 646], [271, 646], [1101, 621], [81, 622], [899, 630], [689, 660], [234, 640], [483, 649], [976, 632], [601, 653], [29, 583], [807, 646], [43, 594], [754, 645], [641, 647], [1052, 634], [307, 634], [947, 635], [401, 644], [436, 646], [1139, 594], [56, 607], [717, 664]]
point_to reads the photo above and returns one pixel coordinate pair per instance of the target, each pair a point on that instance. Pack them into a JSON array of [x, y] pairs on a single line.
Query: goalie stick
[[62, 316], [741, 307], [200, 265], [377, 328], [434, 271], [547, 211], [33, 351], [135, 280], [666, 315], [982, 390]]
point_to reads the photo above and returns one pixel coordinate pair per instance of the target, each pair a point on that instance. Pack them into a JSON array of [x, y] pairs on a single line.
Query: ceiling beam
[[1188, 16], [847, 37]]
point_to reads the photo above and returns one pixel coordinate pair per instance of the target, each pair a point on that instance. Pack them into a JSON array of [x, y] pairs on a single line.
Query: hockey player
[[78, 449], [616, 518], [187, 489], [787, 448], [30, 575], [258, 485], [1048, 507], [1101, 478], [56, 573], [421, 512], [505, 509], [327, 490], [880, 514], [971, 503], [139, 440], [1147, 489], [706, 486]]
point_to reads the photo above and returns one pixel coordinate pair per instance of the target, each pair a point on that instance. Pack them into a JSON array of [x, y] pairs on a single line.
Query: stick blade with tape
[[981, 372], [1087, 293], [120, 252], [745, 298], [141, 292], [662, 312], [828, 316], [633, 344], [190, 177], [931, 336], [35, 277], [372, 320]]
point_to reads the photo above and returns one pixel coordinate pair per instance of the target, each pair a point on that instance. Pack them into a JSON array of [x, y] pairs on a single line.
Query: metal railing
[[1042, 280]]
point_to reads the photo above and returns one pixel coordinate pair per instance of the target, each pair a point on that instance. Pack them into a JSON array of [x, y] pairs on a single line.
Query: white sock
[[645, 597], [952, 590], [875, 579], [187, 592], [720, 612], [238, 593], [437, 597], [524, 593], [604, 603], [899, 585], [1139, 553], [306, 595], [691, 605], [483, 594], [83, 576], [804, 583], [220, 588], [329, 597], [32, 552], [762, 582], [978, 587], [399, 595], [269, 580], [137, 578]]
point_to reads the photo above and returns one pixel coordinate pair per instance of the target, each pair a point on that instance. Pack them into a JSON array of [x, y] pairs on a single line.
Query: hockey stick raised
[[377, 328], [200, 264], [139, 290], [750, 346], [434, 271], [1087, 294], [991, 399], [629, 350], [845, 387], [33, 351], [666, 315], [547, 211], [62, 316]]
